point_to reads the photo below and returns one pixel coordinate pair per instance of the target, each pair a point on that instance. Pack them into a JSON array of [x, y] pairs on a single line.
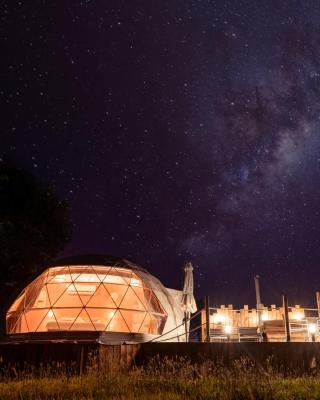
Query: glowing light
[[95, 278], [298, 315], [60, 278], [80, 288], [228, 329], [111, 315], [114, 295], [219, 319], [88, 278], [264, 317], [114, 279], [50, 313], [135, 282], [312, 328]]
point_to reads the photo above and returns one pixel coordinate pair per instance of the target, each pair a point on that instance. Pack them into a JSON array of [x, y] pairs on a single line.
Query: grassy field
[[166, 379]]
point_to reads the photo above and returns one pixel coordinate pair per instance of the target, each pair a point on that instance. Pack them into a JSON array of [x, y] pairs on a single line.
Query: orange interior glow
[[87, 298]]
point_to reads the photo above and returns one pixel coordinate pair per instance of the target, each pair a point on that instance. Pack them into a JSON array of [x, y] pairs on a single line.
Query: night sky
[[176, 130]]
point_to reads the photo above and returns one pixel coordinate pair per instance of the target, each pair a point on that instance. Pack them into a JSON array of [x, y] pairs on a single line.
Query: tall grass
[[160, 379]]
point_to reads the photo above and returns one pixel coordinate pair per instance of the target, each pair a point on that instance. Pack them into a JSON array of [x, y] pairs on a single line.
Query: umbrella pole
[[186, 318]]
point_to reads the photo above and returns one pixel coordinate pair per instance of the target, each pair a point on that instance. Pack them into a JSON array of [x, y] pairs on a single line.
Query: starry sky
[[176, 130]]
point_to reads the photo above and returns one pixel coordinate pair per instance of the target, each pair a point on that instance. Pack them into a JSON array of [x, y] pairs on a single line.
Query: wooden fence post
[[286, 317], [207, 307], [318, 302]]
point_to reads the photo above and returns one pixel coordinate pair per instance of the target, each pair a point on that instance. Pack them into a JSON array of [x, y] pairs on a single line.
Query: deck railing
[[263, 324]]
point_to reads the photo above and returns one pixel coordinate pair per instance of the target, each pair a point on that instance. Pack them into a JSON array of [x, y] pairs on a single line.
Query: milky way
[[176, 130]]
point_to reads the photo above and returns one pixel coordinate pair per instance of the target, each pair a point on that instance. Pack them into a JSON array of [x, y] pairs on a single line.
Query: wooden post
[[82, 365], [318, 302], [258, 299], [203, 324], [257, 287], [186, 319], [207, 307], [286, 317]]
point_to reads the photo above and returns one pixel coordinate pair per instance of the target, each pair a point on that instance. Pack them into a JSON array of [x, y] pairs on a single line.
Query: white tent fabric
[[170, 300]]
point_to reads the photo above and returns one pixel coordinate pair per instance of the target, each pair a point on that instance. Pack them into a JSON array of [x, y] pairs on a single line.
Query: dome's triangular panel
[[100, 317], [135, 281], [23, 324], [115, 276], [59, 275], [140, 292], [100, 271], [133, 319], [101, 297], [153, 324], [84, 274], [32, 294], [14, 321], [158, 322], [82, 322], [65, 317], [52, 323], [34, 318], [131, 301], [125, 274], [84, 291], [55, 291], [117, 323], [18, 304], [117, 292], [152, 302], [69, 298]]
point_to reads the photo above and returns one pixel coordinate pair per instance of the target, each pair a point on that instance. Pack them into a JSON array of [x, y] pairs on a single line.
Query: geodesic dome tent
[[95, 293]]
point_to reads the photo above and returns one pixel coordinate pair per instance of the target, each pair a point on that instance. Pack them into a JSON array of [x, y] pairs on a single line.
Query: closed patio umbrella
[[188, 302]]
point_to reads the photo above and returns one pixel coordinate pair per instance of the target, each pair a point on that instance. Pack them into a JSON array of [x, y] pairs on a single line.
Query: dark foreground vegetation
[[162, 379]]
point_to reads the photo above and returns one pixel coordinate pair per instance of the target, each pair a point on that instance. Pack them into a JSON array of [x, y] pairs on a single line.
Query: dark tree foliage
[[34, 228]]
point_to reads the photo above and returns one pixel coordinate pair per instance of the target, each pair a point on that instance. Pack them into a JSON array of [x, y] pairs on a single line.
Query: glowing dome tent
[[96, 293]]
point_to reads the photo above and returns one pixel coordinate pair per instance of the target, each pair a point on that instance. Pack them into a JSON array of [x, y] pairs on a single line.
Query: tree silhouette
[[34, 228]]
